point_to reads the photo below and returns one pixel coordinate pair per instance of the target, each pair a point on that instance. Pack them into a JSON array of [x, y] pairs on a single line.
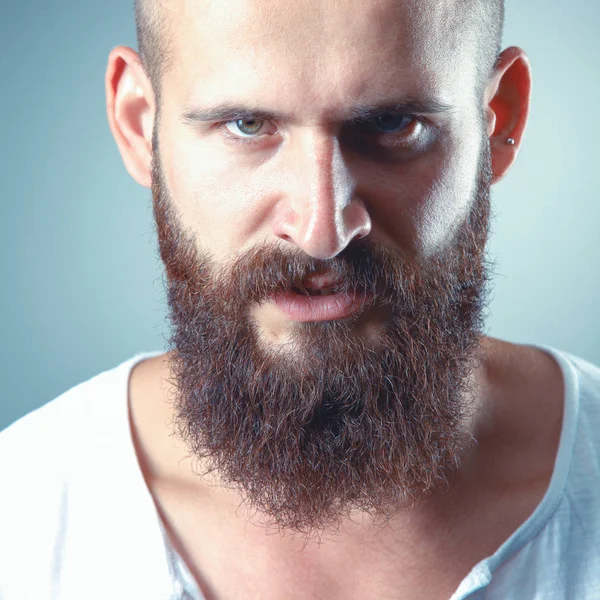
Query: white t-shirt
[[77, 521]]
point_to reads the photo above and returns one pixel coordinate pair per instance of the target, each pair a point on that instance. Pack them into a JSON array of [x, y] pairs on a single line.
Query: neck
[[165, 459]]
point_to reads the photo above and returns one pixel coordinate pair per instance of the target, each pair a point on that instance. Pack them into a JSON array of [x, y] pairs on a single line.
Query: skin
[[307, 184]]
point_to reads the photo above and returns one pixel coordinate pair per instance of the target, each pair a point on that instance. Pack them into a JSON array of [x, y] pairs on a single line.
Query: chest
[[226, 578], [239, 563]]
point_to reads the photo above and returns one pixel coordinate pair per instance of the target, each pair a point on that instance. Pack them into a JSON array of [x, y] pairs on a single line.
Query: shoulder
[[582, 384], [36, 457], [59, 468], [580, 437], [42, 453], [588, 378], [581, 381], [579, 462], [43, 434], [555, 553]]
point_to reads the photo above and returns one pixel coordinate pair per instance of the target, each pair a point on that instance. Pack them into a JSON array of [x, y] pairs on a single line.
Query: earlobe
[[131, 111], [507, 106]]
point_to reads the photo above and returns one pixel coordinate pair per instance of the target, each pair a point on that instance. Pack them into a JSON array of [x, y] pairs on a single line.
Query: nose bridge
[[322, 219], [329, 184]]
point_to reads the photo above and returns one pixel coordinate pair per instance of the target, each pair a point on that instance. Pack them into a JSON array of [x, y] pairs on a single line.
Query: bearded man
[[330, 420]]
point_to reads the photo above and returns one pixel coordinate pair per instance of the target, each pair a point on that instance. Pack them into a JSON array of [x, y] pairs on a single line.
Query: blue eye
[[391, 123], [245, 127]]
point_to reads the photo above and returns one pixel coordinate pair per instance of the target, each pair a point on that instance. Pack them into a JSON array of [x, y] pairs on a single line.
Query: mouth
[[330, 291], [318, 284], [306, 303]]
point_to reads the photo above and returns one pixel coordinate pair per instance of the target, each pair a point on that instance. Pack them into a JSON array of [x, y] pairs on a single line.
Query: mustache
[[362, 267]]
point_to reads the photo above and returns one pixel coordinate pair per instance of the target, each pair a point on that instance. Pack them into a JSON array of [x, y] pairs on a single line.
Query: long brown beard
[[337, 423]]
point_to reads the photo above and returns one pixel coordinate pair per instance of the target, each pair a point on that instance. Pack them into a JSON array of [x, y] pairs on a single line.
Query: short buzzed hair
[[154, 40], [484, 20]]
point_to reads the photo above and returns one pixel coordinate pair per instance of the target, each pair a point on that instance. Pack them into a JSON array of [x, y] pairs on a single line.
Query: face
[[315, 176], [317, 147]]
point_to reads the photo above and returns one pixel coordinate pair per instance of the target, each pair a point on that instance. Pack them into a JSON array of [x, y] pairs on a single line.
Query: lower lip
[[303, 308]]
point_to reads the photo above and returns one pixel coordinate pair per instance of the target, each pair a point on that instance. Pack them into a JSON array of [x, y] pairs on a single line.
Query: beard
[[331, 423]]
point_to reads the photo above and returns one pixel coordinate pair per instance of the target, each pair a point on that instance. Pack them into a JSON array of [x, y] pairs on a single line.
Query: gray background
[[82, 283]]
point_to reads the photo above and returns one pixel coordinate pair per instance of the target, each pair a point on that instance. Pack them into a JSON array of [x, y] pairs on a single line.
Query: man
[[330, 420]]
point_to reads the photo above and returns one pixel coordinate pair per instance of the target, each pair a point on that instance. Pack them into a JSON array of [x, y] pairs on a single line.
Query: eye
[[391, 123], [245, 128], [389, 134]]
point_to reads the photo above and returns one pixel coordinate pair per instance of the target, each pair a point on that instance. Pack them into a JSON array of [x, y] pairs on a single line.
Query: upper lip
[[318, 281]]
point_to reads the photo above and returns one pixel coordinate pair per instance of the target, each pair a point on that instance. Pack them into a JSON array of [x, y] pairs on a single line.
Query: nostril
[[363, 232], [358, 220]]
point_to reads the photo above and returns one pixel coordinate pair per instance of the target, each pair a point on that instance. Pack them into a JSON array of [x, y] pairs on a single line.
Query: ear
[[507, 99], [131, 109]]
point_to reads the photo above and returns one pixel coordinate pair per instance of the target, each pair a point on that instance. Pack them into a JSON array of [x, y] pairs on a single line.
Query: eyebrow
[[235, 112]]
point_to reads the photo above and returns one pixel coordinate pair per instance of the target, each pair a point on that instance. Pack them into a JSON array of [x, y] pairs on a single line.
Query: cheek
[[215, 198], [419, 206]]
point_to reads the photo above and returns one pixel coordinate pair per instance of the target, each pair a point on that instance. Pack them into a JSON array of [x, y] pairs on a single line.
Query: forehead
[[319, 55]]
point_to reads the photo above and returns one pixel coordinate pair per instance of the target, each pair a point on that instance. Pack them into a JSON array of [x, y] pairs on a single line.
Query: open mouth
[[307, 291], [310, 301], [318, 284]]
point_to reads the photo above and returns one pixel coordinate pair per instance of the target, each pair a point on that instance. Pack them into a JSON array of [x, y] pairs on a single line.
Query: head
[[480, 22], [347, 140]]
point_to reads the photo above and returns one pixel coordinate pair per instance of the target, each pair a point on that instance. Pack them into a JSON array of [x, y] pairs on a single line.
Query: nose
[[319, 211]]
